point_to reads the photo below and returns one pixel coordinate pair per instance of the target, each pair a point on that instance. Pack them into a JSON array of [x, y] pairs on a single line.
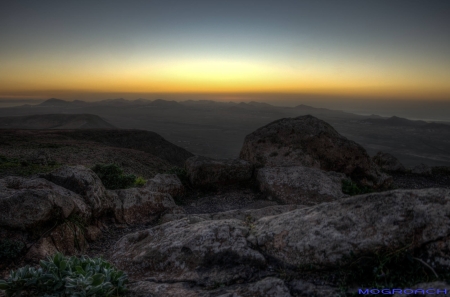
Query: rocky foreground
[[277, 222]]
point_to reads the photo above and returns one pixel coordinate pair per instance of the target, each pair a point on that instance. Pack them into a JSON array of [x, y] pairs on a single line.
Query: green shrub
[[112, 176], [140, 181], [63, 277], [351, 188], [10, 249]]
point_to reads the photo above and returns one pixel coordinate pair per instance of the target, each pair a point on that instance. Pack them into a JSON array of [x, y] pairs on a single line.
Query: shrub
[[181, 173], [140, 181], [63, 277], [10, 249], [112, 176], [351, 188]]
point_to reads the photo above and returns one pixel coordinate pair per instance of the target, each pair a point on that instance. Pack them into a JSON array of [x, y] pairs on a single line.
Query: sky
[[231, 50]]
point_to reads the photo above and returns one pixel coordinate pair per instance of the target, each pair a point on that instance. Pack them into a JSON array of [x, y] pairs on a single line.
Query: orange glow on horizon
[[222, 77]]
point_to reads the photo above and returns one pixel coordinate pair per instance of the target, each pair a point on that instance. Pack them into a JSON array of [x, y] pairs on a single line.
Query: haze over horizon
[[348, 54]]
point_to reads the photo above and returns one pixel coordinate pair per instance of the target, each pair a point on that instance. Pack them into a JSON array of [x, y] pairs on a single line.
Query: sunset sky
[[86, 49]]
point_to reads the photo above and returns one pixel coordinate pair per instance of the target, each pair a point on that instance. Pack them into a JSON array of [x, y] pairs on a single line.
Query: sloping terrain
[[218, 129], [142, 153], [55, 121]]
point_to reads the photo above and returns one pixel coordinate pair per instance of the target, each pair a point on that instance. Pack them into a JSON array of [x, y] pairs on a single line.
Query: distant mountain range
[[55, 121], [402, 122]]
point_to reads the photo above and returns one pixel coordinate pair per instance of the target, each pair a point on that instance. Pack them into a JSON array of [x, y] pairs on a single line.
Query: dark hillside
[[55, 121]]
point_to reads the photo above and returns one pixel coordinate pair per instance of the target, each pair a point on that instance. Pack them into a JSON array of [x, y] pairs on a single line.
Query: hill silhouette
[[55, 121]]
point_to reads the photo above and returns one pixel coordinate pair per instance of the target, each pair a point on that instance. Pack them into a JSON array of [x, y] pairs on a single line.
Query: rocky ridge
[[242, 227]]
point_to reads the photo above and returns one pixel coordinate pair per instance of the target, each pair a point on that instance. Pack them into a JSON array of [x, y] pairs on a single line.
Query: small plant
[[351, 188], [63, 277], [112, 176], [10, 249], [140, 181]]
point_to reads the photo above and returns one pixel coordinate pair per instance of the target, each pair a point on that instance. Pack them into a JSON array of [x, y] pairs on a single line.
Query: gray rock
[[267, 287], [422, 169], [246, 215], [426, 286], [324, 233], [310, 142], [206, 171], [32, 203], [388, 162], [154, 289], [166, 183], [306, 289], [84, 182], [206, 252], [300, 185], [140, 205]]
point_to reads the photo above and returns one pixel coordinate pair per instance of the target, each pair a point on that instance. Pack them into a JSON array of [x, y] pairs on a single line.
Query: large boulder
[[204, 171], [84, 182], [388, 162], [206, 252], [327, 232], [140, 205], [166, 183], [310, 142], [300, 185], [27, 204], [45, 217]]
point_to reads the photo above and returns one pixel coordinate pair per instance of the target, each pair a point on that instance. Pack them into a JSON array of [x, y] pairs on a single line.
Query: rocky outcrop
[[307, 289], [37, 208], [166, 183], [206, 252], [323, 234], [422, 169], [300, 185], [35, 203], [246, 215], [267, 287], [85, 182], [310, 142], [431, 287], [140, 205], [204, 171], [388, 162]]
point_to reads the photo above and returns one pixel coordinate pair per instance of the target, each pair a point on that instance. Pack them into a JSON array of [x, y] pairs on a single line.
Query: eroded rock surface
[[267, 287], [388, 162], [310, 142], [324, 233], [300, 185], [33, 203], [166, 183], [422, 169], [204, 171], [204, 252], [84, 182], [140, 205]]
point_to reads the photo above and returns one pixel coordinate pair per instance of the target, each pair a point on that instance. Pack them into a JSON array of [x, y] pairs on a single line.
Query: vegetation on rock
[[10, 249], [63, 277], [351, 188], [23, 167], [113, 177]]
